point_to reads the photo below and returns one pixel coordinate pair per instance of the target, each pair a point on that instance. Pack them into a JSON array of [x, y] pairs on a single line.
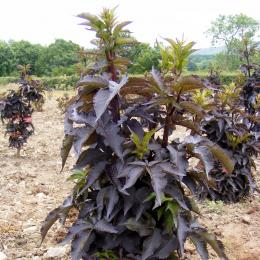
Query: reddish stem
[[170, 110], [166, 127], [115, 100]]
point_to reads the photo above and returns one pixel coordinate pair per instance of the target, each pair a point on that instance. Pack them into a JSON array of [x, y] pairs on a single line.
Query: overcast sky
[[43, 21]]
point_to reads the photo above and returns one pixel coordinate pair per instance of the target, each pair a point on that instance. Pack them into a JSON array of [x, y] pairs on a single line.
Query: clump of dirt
[[32, 185]]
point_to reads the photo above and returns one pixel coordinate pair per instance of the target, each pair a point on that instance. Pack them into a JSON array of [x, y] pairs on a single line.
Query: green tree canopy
[[61, 53], [143, 57], [232, 30], [26, 53], [7, 59], [227, 29]]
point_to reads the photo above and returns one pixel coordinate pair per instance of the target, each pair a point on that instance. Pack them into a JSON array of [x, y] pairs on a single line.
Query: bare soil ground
[[32, 185]]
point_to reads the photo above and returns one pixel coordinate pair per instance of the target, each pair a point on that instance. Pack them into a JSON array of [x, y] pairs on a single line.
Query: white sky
[[43, 21]]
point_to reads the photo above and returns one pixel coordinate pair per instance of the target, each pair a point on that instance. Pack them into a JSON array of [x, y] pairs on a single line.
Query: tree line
[[237, 33], [53, 59], [62, 57]]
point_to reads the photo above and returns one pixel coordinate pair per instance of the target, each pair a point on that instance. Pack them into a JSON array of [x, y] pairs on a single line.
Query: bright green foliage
[[142, 143], [202, 97], [234, 140], [108, 30], [106, 255], [178, 54], [77, 176], [169, 213], [110, 36], [230, 95], [165, 61], [24, 70]]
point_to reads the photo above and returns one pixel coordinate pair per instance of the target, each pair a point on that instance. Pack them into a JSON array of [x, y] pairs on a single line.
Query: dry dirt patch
[[31, 186]]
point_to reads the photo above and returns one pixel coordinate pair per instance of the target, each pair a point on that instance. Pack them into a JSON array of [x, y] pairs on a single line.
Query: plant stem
[[246, 54], [248, 65], [167, 127], [115, 100], [169, 112]]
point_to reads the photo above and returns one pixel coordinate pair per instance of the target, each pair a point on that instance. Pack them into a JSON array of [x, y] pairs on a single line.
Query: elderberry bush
[[16, 109], [131, 174]]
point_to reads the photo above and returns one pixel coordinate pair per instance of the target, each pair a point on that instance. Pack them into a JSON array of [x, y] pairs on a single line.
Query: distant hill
[[209, 51]]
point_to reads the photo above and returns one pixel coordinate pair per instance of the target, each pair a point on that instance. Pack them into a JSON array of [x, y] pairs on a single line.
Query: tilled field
[[32, 185]]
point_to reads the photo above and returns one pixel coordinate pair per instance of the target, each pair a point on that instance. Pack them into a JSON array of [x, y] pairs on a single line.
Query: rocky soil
[[32, 185]]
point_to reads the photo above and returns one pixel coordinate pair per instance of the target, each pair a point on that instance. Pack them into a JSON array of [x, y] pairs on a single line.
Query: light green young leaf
[[142, 145]]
